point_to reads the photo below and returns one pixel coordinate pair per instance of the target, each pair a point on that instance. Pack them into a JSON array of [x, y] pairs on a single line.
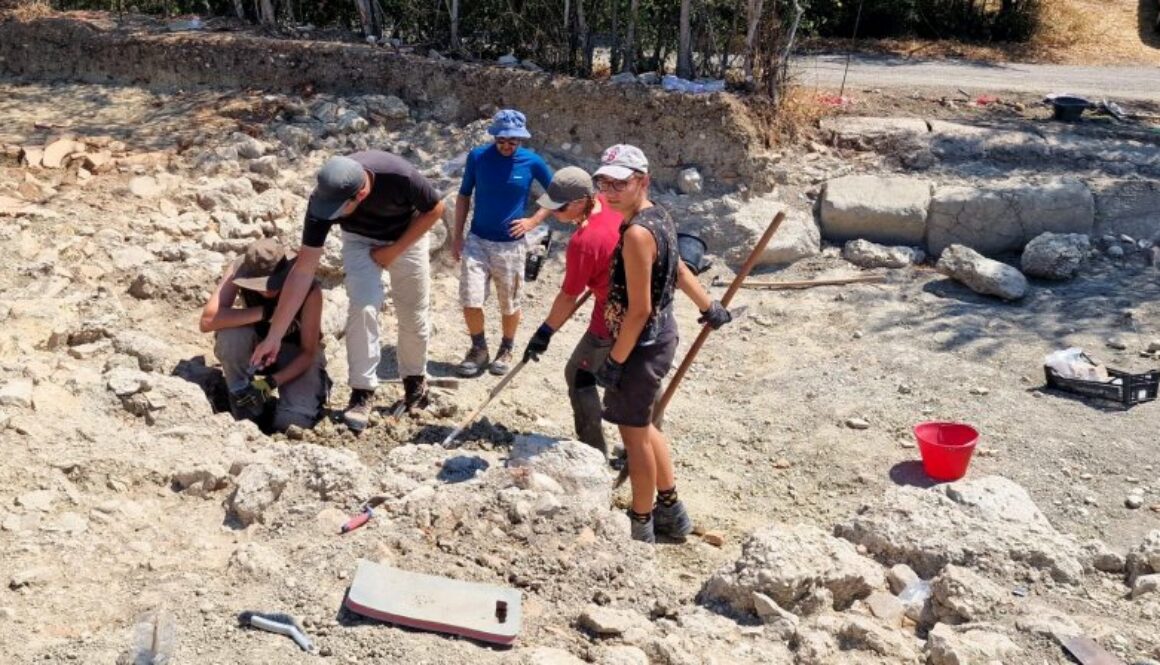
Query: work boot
[[642, 531], [474, 362], [358, 411], [502, 362], [672, 521], [415, 397]]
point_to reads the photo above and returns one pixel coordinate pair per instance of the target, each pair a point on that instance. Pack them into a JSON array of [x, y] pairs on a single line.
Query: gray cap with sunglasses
[[568, 184], [621, 162]]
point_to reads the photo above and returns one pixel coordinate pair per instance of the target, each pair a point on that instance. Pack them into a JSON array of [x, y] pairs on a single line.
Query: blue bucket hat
[[509, 123]]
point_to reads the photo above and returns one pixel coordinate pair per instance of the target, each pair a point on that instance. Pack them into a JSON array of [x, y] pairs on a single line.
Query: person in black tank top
[[646, 270], [299, 373]]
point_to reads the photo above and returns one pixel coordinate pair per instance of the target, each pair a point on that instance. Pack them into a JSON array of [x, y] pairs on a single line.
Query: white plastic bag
[[1073, 363]]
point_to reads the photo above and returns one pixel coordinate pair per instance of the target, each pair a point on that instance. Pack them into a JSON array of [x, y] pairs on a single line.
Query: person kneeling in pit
[[299, 373]]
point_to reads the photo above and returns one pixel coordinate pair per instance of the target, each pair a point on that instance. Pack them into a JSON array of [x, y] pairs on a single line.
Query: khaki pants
[[410, 277], [299, 401]]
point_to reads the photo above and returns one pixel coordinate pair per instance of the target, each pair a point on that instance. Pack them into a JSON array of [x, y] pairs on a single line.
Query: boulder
[[987, 523], [152, 354], [1146, 584], [689, 181], [16, 392], [577, 467], [1127, 207], [946, 646], [864, 133], [201, 479], [866, 254], [294, 137], [336, 474], [623, 655], [1145, 558], [266, 165], [889, 210], [1006, 216], [609, 622], [1055, 255], [962, 596], [386, 110], [789, 564], [247, 146], [865, 634], [732, 232], [982, 275], [259, 486], [145, 187]]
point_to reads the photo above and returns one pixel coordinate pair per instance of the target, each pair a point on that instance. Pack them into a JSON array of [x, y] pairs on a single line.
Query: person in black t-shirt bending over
[[384, 207]]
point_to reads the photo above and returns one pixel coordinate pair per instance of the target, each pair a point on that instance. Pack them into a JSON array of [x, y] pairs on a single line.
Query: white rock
[[1134, 500], [131, 258], [886, 607], [124, 382], [17, 392], [900, 576], [259, 486], [1005, 216], [1145, 558], [547, 656], [1145, 584], [981, 274], [689, 181], [786, 563], [152, 354], [56, 152], [608, 622], [865, 634], [945, 646], [623, 655], [577, 467], [866, 254], [989, 523], [888, 210], [857, 423], [38, 500], [266, 165], [962, 596], [145, 187], [248, 146], [1055, 255]]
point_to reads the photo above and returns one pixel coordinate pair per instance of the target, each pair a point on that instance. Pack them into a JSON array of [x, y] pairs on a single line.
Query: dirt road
[[873, 71]]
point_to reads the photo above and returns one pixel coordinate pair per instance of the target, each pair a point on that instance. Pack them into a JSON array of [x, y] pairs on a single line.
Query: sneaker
[[643, 531], [672, 521], [502, 362], [474, 362], [415, 397], [358, 411]]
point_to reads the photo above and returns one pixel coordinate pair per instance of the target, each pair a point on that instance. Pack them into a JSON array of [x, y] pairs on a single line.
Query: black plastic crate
[[1132, 388]]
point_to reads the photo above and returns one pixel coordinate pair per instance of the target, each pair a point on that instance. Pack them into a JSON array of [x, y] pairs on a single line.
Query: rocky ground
[[125, 500]]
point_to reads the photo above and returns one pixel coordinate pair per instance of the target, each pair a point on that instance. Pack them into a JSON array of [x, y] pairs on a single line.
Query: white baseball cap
[[621, 161]]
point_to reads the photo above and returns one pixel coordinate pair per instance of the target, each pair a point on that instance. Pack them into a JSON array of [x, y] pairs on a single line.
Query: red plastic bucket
[[945, 448]]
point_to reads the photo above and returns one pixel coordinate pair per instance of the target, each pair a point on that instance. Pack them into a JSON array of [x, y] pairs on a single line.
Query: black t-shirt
[[664, 275], [398, 191]]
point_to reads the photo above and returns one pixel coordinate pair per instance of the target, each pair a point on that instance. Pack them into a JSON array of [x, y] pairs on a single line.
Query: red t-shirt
[[588, 261]]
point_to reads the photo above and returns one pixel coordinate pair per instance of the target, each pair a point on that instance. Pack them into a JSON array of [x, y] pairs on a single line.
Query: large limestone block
[[889, 210], [1005, 216]]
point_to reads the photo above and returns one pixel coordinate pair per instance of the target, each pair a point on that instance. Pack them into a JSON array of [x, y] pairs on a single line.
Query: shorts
[[631, 403], [485, 261]]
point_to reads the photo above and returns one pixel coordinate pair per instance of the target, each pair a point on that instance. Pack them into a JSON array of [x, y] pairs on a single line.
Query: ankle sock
[[479, 341], [638, 518], [667, 498], [507, 343]]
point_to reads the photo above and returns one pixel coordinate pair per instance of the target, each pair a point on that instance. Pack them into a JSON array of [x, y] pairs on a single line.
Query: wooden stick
[[503, 384], [659, 411], [810, 283]]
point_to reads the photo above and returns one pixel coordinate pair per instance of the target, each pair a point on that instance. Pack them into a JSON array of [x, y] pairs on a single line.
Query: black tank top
[[660, 224]]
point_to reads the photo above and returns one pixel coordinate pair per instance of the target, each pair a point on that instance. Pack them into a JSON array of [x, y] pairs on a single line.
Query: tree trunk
[[754, 19], [629, 64], [453, 11], [240, 9], [685, 42], [614, 54], [366, 17], [585, 40], [265, 11]]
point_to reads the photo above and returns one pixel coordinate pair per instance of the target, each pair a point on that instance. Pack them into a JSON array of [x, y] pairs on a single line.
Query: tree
[[753, 19], [629, 64], [685, 42]]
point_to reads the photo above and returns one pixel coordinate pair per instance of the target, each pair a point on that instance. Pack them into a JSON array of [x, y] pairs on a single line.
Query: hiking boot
[[415, 397], [672, 521], [502, 362], [358, 411], [643, 531], [474, 362]]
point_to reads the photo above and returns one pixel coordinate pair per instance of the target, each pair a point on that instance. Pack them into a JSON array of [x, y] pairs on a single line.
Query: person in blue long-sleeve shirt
[[493, 249]]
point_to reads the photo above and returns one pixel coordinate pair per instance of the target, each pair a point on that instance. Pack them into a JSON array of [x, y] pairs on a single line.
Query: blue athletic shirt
[[502, 185]]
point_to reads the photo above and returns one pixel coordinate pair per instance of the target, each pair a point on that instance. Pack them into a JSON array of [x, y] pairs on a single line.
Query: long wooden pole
[[810, 283], [503, 384], [758, 250]]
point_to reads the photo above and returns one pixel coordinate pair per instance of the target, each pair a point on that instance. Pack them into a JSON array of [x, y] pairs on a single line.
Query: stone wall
[[714, 133]]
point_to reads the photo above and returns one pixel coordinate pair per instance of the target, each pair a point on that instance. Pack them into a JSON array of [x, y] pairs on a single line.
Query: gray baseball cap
[[569, 184], [339, 180], [621, 161]]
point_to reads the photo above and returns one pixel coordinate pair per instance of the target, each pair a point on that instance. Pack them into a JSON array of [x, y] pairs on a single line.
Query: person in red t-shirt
[[572, 198]]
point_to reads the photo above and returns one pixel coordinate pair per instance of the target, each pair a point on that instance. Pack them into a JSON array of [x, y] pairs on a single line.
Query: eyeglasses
[[608, 184], [515, 142]]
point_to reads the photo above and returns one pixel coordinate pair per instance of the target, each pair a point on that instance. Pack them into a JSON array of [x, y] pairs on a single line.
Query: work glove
[[256, 393], [609, 374], [538, 343], [716, 315]]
